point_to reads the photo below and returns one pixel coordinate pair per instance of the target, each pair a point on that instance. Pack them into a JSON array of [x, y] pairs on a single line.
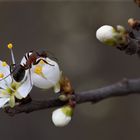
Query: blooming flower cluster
[[41, 72]]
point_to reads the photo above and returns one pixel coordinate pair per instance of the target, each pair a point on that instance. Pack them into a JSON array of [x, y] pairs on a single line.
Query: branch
[[123, 88], [137, 2]]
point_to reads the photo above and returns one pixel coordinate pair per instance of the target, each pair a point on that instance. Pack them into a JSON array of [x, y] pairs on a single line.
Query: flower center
[[38, 70], [11, 90]]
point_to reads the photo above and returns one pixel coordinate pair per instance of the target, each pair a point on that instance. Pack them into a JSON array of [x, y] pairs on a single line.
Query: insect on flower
[[18, 71], [32, 58], [43, 72]]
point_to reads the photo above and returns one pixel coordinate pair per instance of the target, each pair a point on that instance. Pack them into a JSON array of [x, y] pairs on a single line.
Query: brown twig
[[137, 2], [122, 88]]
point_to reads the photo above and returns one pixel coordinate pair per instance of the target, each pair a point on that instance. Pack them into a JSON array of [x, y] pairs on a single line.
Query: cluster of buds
[[127, 40], [35, 69]]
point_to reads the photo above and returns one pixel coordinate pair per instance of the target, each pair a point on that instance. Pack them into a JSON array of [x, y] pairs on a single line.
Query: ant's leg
[[30, 77], [12, 66], [25, 57], [47, 63]]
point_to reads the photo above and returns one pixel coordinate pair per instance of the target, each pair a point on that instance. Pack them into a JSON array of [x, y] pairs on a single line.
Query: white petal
[[41, 82], [18, 96], [25, 88], [3, 93], [59, 118], [3, 84], [52, 73], [7, 81], [3, 101]]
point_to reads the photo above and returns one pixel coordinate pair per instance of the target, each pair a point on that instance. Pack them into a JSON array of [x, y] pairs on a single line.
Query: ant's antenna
[[10, 46]]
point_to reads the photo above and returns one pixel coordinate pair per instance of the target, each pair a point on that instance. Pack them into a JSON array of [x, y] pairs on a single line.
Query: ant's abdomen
[[19, 73]]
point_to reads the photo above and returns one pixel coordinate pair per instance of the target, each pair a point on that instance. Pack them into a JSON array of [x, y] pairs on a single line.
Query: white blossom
[[10, 89], [45, 75]]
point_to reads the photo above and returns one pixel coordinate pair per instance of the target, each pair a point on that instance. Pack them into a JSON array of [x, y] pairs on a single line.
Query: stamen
[[10, 46], [4, 64], [38, 70], [1, 75]]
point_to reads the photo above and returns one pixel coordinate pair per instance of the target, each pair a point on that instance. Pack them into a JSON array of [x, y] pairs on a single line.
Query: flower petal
[[5, 70], [3, 93], [41, 82], [25, 88], [52, 73], [3, 101]]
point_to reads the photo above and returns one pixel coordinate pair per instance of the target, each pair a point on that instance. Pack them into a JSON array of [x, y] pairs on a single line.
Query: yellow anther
[[10, 46], [41, 62], [38, 70], [1, 75], [4, 64]]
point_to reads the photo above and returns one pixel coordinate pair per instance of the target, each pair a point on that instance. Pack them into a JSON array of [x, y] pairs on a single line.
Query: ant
[[32, 58]]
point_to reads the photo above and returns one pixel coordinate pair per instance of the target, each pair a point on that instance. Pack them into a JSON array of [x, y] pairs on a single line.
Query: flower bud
[[62, 116], [111, 36]]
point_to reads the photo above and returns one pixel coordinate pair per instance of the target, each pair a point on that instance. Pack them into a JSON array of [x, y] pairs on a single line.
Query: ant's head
[[43, 54]]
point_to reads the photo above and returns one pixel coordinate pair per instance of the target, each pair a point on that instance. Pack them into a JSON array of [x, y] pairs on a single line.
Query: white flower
[[111, 36], [62, 116], [45, 75], [9, 89]]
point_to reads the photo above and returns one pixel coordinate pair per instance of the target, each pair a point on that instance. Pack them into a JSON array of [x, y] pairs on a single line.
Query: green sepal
[[67, 110]]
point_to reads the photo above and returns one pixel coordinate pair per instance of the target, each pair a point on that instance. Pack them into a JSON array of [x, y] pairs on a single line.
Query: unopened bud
[[62, 116], [111, 36]]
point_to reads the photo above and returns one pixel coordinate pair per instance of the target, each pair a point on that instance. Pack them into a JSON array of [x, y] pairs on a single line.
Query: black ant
[[32, 58]]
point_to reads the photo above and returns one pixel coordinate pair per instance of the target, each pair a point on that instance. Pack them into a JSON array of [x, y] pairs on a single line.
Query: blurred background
[[67, 29]]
